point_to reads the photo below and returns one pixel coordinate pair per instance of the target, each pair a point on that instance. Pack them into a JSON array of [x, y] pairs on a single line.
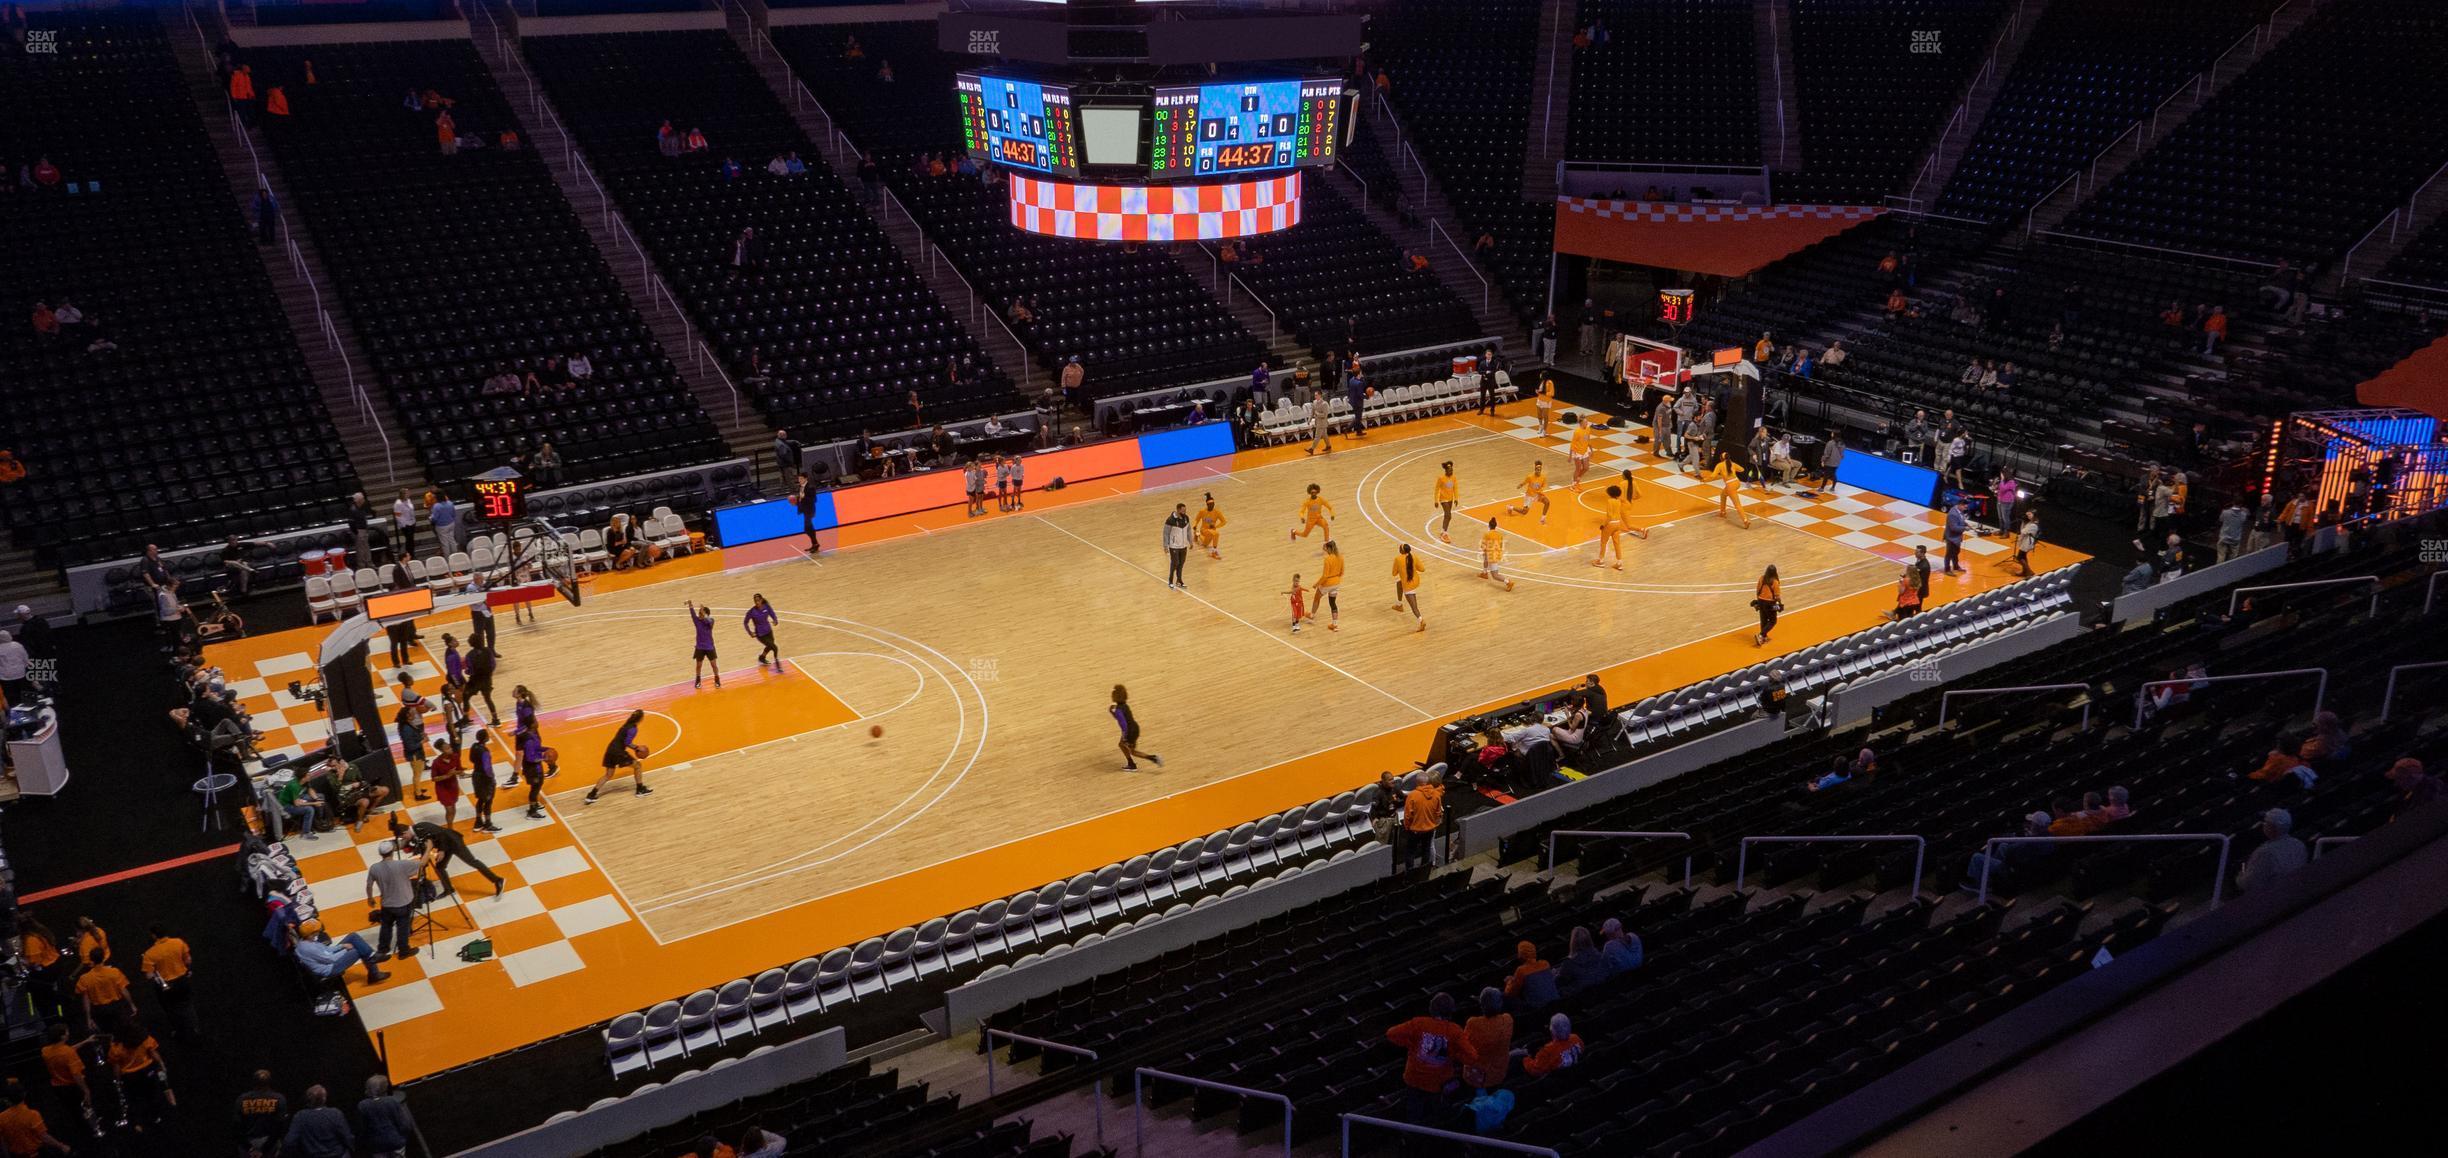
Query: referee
[[1177, 545]]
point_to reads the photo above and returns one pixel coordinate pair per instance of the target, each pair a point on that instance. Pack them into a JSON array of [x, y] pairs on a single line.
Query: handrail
[[990, 1034], [1437, 230], [2158, 249], [1944, 696], [934, 251], [2238, 594], [1551, 844], [2436, 174], [1742, 863], [1547, 126], [2320, 844], [723, 374], [2389, 695], [2320, 694], [2218, 884], [2346, 263], [1274, 324], [1963, 110], [1422, 166], [1140, 1075], [1474, 1140], [1354, 174], [2431, 590], [2030, 215]]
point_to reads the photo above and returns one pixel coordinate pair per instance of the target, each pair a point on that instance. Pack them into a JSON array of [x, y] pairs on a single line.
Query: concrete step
[[318, 324], [1550, 99], [1938, 165], [691, 356]]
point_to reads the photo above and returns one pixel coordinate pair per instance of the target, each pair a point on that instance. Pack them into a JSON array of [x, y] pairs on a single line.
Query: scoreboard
[[500, 500], [1209, 130], [1020, 124]]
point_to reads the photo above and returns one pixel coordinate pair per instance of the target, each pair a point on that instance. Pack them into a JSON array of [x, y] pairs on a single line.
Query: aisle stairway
[[1000, 344], [1956, 138], [1550, 100], [743, 427], [364, 417], [1498, 314], [2083, 184]]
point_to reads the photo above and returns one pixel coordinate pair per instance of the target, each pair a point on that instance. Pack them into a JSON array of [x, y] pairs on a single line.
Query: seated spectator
[[580, 367], [2328, 745], [2012, 856], [667, 141], [884, 72], [2415, 787], [1584, 966], [313, 949], [730, 169], [1486, 242], [1532, 987], [2006, 376], [792, 164], [509, 140], [1896, 303], [1562, 1051], [695, 142], [2284, 763], [623, 547], [1429, 1044], [1971, 373], [1417, 261], [2280, 852], [1988, 376], [1487, 1043], [2082, 821], [777, 166], [46, 174], [1621, 947], [1572, 731], [506, 382]]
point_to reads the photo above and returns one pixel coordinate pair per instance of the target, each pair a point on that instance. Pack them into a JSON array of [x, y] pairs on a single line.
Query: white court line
[[1313, 657]]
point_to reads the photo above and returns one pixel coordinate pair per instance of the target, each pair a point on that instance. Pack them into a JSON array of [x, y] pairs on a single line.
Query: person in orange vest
[[242, 91], [276, 102], [446, 131], [310, 76]]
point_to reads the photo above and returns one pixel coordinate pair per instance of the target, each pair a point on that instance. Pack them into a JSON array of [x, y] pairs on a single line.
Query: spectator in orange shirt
[[169, 963], [1487, 1043], [1532, 987], [2328, 743], [710, 1146], [66, 1068], [276, 102], [2083, 821], [1423, 814], [1429, 1046], [105, 990], [2214, 329], [1562, 1051], [90, 936], [2284, 757], [23, 1133]]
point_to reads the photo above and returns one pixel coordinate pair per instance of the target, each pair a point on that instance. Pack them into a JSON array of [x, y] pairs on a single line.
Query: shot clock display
[[1674, 306], [1244, 126], [1017, 123], [500, 500]]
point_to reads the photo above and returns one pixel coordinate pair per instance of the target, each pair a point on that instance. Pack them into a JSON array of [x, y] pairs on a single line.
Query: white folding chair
[[319, 599]]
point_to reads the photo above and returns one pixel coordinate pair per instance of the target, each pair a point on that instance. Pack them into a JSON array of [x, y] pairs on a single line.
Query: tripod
[[426, 923]]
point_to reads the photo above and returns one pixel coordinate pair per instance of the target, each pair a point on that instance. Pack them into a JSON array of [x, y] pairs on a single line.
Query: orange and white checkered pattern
[[1155, 212]]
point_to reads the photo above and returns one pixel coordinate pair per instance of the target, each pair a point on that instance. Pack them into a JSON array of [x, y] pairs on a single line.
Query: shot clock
[[1674, 306], [501, 497]]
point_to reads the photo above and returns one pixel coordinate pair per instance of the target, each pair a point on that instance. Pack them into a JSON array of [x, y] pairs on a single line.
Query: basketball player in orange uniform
[[1406, 585], [1491, 555], [1534, 490], [1729, 496], [1448, 493], [1580, 450], [1316, 515], [1613, 523], [1329, 582], [1207, 529]]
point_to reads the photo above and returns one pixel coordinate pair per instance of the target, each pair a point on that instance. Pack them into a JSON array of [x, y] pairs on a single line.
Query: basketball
[[639, 751], [876, 731]]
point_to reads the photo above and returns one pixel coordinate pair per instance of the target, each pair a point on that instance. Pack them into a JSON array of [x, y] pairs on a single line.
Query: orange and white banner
[[1728, 240]]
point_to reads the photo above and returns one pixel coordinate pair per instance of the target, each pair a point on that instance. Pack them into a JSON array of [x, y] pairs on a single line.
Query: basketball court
[[986, 650]]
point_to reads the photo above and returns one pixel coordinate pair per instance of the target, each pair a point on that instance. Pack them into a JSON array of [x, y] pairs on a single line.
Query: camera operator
[[439, 845]]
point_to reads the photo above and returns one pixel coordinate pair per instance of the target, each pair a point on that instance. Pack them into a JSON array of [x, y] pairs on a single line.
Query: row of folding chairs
[[1286, 420], [1160, 883], [1876, 649]]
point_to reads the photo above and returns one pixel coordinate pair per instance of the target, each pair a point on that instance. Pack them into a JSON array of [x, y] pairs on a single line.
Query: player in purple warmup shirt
[[703, 619], [760, 624]]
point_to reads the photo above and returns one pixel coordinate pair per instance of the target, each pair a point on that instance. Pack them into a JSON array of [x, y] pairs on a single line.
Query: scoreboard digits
[[1018, 123]]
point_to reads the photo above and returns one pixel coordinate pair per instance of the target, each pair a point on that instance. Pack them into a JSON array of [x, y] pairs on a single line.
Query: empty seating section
[[1130, 314], [853, 1110], [843, 328], [894, 121], [1459, 73], [2424, 261], [2301, 154], [1336, 279], [2090, 70], [457, 268], [202, 422], [1832, 280], [1877, 79], [1748, 1014], [1674, 82]]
